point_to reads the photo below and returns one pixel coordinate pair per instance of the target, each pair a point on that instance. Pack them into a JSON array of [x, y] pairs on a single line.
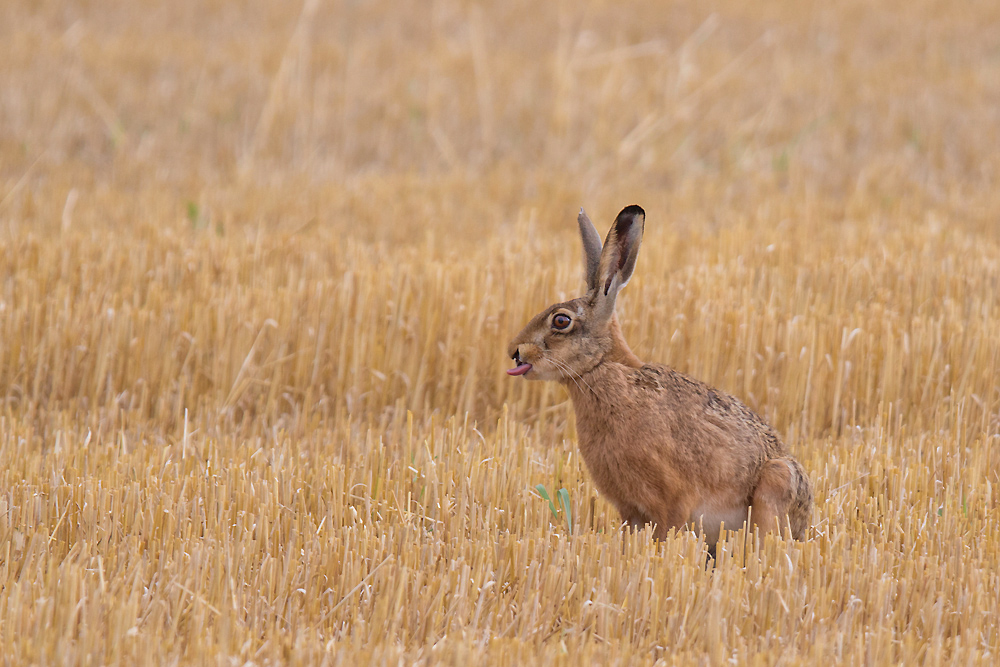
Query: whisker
[[571, 373], [564, 371], [580, 377]]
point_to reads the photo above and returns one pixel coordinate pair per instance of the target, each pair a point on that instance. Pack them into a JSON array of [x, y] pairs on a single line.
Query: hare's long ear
[[591, 249], [617, 263]]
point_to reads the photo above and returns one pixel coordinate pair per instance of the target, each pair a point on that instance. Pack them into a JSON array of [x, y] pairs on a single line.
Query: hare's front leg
[[632, 517], [666, 511], [674, 514]]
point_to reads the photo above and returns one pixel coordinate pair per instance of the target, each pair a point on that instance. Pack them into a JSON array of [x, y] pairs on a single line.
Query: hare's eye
[[561, 321]]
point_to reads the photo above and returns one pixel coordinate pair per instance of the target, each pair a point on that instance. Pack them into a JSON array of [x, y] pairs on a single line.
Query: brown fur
[[664, 448]]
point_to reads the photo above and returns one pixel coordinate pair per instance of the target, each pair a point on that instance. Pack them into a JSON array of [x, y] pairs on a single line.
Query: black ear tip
[[633, 210]]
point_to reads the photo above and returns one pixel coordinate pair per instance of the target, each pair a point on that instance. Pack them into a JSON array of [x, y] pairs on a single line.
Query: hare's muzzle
[[521, 367]]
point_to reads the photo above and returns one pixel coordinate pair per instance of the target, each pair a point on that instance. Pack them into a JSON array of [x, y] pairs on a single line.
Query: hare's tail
[[783, 497]]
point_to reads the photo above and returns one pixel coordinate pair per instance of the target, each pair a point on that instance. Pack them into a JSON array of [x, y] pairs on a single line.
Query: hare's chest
[[616, 461], [606, 466], [599, 453]]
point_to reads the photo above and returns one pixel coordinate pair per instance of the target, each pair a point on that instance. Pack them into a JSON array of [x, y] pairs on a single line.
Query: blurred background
[[368, 109]]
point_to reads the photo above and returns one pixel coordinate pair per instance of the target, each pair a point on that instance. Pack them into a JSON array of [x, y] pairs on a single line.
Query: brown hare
[[664, 448]]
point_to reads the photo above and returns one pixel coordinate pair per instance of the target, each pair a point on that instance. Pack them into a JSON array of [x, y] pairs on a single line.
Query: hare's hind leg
[[783, 494]]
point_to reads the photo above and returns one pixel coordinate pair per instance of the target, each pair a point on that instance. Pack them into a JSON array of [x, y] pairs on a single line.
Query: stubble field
[[259, 264]]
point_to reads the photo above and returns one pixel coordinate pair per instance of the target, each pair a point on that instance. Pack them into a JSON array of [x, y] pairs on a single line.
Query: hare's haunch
[[664, 448]]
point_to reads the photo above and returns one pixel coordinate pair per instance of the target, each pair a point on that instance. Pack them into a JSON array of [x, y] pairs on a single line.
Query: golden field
[[259, 263]]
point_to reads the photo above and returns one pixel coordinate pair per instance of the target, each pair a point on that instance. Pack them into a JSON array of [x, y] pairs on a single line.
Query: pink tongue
[[519, 370]]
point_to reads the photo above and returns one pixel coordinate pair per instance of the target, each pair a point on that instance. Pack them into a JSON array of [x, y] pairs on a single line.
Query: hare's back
[[708, 419]]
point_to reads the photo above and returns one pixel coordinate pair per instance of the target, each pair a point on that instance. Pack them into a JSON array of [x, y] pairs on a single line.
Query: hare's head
[[573, 337]]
